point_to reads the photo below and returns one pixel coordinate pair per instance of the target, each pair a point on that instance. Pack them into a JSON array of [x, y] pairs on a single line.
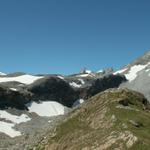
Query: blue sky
[[63, 36]]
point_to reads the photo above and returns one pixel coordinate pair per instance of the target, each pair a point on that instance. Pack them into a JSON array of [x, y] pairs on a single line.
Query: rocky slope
[[17, 90], [138, 75], [114, 119], [31, 105]]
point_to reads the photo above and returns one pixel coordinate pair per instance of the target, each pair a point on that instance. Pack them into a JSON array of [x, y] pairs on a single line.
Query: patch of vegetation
[[137, 115], [79, 131]]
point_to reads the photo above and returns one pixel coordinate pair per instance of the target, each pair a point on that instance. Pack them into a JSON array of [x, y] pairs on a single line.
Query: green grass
[[124, 116], [78, 123]]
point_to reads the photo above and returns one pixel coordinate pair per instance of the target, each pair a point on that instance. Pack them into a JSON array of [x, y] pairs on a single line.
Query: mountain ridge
[[107, 107]]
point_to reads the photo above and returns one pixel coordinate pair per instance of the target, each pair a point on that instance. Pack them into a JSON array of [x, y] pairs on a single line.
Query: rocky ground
[[114, 119], [32, 132], [17, 90]]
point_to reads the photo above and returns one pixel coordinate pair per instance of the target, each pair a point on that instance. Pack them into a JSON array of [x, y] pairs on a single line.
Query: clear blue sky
[[63, 36]]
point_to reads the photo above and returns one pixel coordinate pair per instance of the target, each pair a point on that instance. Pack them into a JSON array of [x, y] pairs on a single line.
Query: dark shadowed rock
[[54, 89], [101, 84], [13, 99]]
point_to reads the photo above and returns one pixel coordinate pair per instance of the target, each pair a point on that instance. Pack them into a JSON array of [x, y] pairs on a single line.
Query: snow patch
[[120, 71], [8, 128], [46, 109], [134, 70], [25, 79], [13, 118]]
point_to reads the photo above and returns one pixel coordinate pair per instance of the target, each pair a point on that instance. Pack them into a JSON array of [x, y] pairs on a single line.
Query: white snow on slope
[[13, 118], [61, 77], [86, 75], [2, 74], [8, 128], [73, 84], [88, 71], [46, 109], [25, 79], [120, 71], [134, 70]]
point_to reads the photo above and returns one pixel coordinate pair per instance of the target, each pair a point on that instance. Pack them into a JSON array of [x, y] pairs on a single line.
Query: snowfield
[[13, 118], [24, 79], [8, 127], [61, 77], [46, 109], [134, 70]]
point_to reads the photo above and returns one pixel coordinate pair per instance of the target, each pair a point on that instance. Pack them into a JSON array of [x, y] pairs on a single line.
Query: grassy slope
[[99, 125]]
